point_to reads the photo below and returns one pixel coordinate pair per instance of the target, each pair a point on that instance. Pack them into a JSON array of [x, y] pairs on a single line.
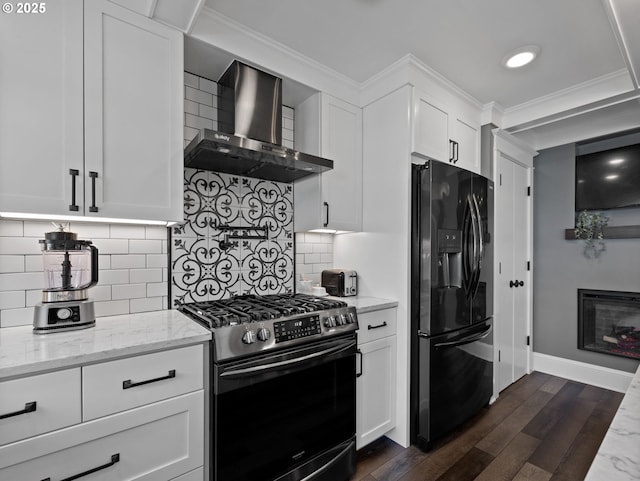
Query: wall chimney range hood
[[249, 140]]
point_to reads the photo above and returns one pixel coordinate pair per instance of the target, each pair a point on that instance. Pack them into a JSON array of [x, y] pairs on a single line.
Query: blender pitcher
[[70, 269]]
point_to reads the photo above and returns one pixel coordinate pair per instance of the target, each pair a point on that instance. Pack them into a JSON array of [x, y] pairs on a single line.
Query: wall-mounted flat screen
[[608, 179]]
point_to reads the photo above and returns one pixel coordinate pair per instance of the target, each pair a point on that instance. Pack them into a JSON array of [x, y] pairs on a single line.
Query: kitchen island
[[619, 455]]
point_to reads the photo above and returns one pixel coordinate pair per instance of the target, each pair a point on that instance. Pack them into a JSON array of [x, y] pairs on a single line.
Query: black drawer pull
[[359, 353], [28, 408], [384, 324], [114, 459], [128, 383]]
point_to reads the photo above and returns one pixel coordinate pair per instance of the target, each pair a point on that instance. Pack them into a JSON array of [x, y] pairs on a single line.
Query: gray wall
[[560, 267]]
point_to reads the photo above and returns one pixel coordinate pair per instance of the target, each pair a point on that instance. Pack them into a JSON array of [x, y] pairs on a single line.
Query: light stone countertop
[[22, 352], [619, 455], [367, 304]]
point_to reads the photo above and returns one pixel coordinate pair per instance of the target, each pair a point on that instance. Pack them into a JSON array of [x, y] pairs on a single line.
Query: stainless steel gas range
[[283, 371]]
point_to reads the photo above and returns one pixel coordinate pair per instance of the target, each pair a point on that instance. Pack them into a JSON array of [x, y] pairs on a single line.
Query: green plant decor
[[590, 228]]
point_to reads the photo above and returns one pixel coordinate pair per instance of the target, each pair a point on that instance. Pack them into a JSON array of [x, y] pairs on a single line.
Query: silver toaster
[[340, 282]]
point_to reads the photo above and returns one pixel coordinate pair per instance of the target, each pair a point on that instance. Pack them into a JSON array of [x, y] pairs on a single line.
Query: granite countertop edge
[[24, 353]]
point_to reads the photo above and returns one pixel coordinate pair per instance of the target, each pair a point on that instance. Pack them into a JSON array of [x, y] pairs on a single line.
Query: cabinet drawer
[[39, 404], [376, 325], [115, 386], [156, 442]]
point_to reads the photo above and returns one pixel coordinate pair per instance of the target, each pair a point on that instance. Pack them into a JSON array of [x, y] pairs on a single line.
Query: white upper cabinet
[[41, 111], [445, 133], [330, 128], [91, 120]]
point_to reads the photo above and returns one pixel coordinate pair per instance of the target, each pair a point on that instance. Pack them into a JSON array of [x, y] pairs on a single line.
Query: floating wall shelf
[[611, 232]]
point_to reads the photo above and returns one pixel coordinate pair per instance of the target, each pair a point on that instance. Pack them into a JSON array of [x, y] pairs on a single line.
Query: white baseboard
[[604, 377]]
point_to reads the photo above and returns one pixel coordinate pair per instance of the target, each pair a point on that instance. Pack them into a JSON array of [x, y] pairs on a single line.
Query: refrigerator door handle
[[479, 241], [464, 340], [470, 259]]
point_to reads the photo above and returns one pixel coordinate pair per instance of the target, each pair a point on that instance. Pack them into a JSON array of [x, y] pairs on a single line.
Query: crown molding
[[572, 98]]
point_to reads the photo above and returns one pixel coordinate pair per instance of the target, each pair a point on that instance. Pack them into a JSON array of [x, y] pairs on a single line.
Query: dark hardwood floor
[[541, 428]]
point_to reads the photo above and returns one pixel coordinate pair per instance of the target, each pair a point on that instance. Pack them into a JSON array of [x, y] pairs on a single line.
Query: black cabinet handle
[[384, 324], [129, 384], [359, 352], [521, 283], [28, 408], [455, 152], [114, 459], [94, 176], [516, 283], [326, 206], [74, 173], [451, 142]]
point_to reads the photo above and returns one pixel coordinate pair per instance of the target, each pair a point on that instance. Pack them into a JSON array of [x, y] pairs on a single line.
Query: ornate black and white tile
[[207, 264]]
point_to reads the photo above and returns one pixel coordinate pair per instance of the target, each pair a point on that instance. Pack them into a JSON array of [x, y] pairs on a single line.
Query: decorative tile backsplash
[[208, 262]]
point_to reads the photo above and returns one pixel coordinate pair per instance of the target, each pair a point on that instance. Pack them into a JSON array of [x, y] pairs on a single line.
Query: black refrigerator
[[451, 299]]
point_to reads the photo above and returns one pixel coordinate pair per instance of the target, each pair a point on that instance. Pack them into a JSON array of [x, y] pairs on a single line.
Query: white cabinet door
[[444, 133], [431, 129], [332, 200], [375, 390], [154, 442], [466, 142], [41, 99], [133, 115], [512, 282]]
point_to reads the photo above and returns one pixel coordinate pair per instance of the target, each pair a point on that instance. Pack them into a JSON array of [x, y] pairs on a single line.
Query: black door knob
[[521, 283], [513, 284]]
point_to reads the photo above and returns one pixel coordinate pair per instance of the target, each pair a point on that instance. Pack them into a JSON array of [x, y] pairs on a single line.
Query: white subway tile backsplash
[[312, 258], [189, 134], [196, 122], [146, 305], [157, 289], [157, 260], [100, 292], [288, 112], [104, 261], [128, 291], [114, 276], [21, 281], [208, 86], [319, 248], [11, 228], [33, 263], [304, 248], [156, 232], [128, 261], [19, 245], [16, 317], [120, 231], [199, 96], [34, 228], [191, 107], [146, 275], [112, 246], [12, 299], [149, 246], [191, 80], [90, 230], [33, 297], [287, 124], [13, 263], [314, 253], [111, 308], [208, 113]]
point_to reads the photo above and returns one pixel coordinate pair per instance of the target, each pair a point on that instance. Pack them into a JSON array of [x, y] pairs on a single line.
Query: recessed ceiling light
[[616, 161], [520, 56]]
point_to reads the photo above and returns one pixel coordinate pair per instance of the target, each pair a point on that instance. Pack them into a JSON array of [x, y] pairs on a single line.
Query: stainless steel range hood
[[248, 142]]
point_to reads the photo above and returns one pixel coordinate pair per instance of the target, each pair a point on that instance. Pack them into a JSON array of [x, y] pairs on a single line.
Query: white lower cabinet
[[158, 437], [376, 382]]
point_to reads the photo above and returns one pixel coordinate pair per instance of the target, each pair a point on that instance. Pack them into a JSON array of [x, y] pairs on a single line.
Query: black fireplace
[[609, 322]]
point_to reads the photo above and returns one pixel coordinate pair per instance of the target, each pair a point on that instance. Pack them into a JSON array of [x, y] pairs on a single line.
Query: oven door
[[287, 416]]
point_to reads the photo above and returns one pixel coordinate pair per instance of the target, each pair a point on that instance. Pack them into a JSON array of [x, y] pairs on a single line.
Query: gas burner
[[249, 324]]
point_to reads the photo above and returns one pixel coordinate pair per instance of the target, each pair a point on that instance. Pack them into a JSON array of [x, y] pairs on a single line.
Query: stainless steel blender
[[70, 269]]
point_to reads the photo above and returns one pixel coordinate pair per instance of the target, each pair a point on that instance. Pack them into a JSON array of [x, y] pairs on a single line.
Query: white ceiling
[[590, 46]]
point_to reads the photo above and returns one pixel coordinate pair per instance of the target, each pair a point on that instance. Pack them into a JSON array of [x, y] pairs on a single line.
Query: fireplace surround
[[609, 322]]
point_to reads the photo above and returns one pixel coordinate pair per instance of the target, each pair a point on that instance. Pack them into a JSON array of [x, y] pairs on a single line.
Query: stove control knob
[[249, 337], [264, 334], [330, 321], [342, 319], [352, 318]]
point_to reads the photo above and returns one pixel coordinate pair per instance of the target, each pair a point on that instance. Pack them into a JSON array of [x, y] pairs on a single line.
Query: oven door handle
[[328, 465], [274, 365]]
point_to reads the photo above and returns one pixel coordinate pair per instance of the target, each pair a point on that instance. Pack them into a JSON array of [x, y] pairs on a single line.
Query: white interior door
[[513, 277]]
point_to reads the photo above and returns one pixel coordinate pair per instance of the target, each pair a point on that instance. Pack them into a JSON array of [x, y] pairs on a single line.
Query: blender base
[[51, 317]]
